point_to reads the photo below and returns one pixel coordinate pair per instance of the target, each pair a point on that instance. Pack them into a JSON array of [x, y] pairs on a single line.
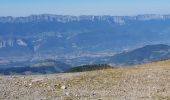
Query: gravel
[[143, 82]]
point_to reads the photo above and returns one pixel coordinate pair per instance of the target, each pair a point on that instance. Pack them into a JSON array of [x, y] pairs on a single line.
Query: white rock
[[63, 87], [30, 84], [67, 93]]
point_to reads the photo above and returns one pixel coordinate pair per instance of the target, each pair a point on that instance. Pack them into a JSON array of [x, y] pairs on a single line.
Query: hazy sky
[[83, 7]]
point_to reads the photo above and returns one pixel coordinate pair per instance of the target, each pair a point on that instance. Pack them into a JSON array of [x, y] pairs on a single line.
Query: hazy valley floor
[[142, 82]]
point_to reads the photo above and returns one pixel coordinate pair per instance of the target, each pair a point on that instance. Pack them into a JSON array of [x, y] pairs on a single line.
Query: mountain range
[[78, 40]]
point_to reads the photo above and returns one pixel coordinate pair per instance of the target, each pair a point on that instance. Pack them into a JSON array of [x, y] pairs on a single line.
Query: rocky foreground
[[142, 82]]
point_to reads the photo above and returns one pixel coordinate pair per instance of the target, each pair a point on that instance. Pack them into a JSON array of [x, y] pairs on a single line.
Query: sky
[[83, 7]]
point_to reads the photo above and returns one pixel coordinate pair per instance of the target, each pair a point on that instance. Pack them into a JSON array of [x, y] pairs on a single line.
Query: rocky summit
[[141, 82]]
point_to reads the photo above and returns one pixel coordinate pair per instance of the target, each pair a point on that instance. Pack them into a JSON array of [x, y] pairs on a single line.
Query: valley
[[141, 55]]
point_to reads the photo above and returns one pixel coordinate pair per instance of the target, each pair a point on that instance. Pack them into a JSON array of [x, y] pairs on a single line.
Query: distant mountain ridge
[[69, 18], [142, 55], [35, 67]]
